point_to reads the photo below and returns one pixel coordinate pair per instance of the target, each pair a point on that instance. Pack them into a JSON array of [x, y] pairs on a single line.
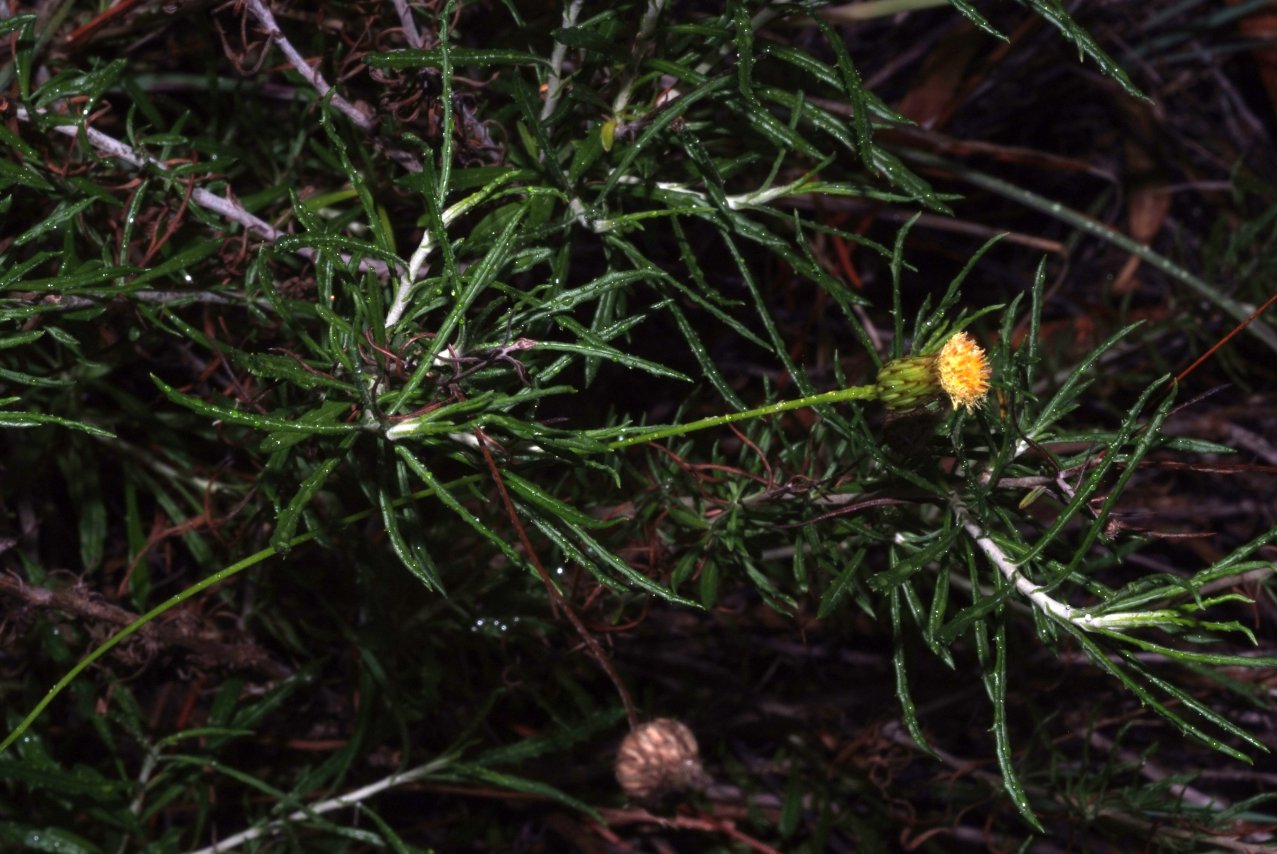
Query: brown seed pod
[[657, 758]]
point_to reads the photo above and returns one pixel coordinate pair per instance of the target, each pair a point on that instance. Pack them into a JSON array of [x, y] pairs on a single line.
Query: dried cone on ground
[[658, 758]]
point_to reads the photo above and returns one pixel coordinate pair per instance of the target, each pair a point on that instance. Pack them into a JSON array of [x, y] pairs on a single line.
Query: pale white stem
[[554, 90], [1059, 610], [409, 26], [554, 83], [161, 468], [316, 79], [1156, 773], [646, 29], [299, 64], [849, 13], [63, 302], [417, 263], [342, 801], [226, 208], [408, 281], [742, 201], [149, 764], [761, 18]]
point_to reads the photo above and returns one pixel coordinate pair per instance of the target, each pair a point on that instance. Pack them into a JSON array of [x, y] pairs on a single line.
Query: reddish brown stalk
[[178, 217], [591, 642], [1221, 342], [702, 823]]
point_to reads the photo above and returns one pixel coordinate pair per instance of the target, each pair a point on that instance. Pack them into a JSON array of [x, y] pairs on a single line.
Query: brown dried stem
[[179, 634], [560, 601]]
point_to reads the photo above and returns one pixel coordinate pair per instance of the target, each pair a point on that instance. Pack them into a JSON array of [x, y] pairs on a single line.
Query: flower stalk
[[842, 395], [959, 370]]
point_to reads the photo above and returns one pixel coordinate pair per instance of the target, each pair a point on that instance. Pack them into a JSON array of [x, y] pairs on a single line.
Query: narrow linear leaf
[[908, 710], [480, 57], [249, 419], [286, 523], [996, 684], [450, 501], [412, 555], [36, 419]]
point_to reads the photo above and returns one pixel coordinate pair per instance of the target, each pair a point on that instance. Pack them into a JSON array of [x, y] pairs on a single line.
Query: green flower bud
[[908, 382], [959, 370]]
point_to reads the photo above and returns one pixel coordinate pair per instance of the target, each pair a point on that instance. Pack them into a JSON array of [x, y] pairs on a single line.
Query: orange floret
[[964, 371]]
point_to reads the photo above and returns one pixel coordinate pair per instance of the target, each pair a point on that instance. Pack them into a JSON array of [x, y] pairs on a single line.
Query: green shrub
[[352, 394]]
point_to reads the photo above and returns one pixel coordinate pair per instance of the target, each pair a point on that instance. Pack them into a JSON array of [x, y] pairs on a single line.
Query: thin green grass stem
[[1241, 312], [117, 638], [178, 598], [842, 395]]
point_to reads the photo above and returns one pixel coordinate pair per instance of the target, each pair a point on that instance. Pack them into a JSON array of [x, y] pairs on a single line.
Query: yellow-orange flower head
[[963, 371]]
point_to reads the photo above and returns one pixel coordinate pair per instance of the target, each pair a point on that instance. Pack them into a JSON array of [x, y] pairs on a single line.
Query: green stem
[[1239, 311], [178, 598], [132, 627], [842, 395]]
